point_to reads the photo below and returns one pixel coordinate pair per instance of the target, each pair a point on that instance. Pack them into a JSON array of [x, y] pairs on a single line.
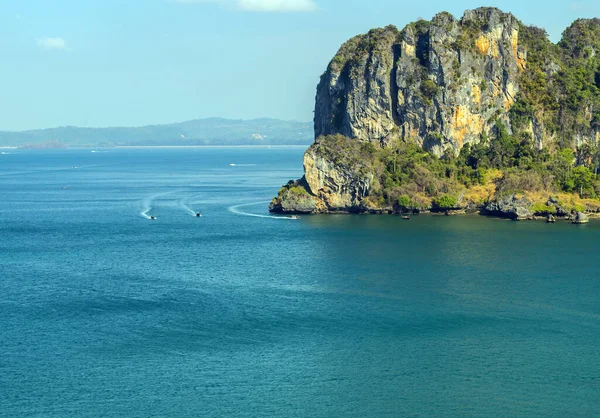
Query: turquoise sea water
[[104, 313]]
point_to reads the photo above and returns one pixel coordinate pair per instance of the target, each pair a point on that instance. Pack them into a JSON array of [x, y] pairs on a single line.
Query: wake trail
[[147, 203], [189, 210], [185, 205], [236, 209], [146, 208]]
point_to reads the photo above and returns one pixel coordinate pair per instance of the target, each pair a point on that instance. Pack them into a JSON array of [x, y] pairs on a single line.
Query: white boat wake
[[147, 204], [146, 208], [236, 209], [189, 210], [185, 205]]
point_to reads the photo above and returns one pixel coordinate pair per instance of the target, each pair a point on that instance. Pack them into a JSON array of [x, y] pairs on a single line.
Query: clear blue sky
[[136, 62]]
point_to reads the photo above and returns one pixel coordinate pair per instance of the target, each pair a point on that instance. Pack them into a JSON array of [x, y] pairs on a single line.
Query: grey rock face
[[509, 207], [581, 218], [354, 97], [560, 211], [338, 178], [440, 83], [341, 187]]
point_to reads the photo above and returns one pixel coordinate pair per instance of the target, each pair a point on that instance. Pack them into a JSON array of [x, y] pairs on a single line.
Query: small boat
[[153, 218], [407, 217], [294, 217], [198, 215]]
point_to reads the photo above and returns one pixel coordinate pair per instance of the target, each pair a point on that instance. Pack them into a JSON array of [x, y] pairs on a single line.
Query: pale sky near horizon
[[97, 63]]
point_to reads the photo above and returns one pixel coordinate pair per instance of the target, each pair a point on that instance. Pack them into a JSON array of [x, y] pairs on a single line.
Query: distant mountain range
[[211, 131]]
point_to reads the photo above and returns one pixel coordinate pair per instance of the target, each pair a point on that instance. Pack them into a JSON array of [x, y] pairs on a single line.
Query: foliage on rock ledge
[[410, 178], [561, 85]]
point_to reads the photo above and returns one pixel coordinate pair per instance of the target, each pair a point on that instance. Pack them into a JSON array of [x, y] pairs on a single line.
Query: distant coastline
[[205, 146], [160, 147], [199, 132]]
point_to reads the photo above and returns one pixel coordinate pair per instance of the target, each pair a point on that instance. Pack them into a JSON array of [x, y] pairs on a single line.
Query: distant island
[[211, 131], [481, 113]]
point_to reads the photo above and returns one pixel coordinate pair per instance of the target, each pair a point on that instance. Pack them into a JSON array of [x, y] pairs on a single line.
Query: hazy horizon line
[[154, 124]]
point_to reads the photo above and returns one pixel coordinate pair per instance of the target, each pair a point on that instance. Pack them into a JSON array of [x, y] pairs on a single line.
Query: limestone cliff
[[339, 175], [446, 83], [441, 83]]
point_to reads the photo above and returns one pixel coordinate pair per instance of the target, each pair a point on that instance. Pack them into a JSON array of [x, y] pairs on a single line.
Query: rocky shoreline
[[294, 202], [574, 218]]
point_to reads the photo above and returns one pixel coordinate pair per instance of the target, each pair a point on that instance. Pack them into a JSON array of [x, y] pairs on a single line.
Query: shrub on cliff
[[541, 209], [429, 90], [293, 198], [445, 202], [347, 152], [298, 191], [406, 203]]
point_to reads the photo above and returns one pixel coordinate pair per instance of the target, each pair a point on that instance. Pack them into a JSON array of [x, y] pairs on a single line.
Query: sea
[[105, 312]]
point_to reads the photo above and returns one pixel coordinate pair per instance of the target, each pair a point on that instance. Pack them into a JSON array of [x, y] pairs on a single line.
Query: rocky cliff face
[[447, 83], [337, 186], [338, 176], [442, 83]]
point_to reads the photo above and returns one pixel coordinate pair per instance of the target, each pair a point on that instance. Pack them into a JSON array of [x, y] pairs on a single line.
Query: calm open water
[[104, 313]]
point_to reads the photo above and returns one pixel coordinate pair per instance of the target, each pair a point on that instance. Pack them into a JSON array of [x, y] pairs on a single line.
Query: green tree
[[583, 181], [405, 203], [503, 148], [563, 167], [445, 202]]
